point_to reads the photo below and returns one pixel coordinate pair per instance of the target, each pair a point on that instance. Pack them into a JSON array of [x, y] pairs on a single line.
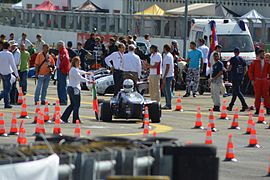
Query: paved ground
[[252, 163]]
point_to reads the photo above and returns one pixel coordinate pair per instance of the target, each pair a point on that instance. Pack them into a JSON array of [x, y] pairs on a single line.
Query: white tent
[[197, 9], [17, 5], [254, 15]]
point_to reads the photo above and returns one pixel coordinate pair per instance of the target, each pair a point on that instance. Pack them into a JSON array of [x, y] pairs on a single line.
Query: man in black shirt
[[71, 52], [112, 47], [90, 43], [237, 69], [83, 54], [216, 81]]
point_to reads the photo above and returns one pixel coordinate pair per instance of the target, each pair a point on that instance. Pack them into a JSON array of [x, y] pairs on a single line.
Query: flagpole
[[186, 29]]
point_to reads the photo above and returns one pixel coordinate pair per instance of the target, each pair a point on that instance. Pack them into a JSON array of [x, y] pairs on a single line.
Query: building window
[[28, 6]]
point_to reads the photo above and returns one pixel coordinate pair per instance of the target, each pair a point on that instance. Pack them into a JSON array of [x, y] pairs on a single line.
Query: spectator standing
[[259, 74], [3, 38], [195, 62], [74, 90], [7, 67], [39, 43], [114, 61], [154, 76], [24, 40], [44, 67], [147, 42], [167, 75], [216, 81], [112, 47], [17, 59], [238, 69], [1, 46], [205, 51], [83, 54], [99, 50], [71, 52], [63, 66], [24, 67], [132, 65], [90, 43], [11, 37], [174, 48]]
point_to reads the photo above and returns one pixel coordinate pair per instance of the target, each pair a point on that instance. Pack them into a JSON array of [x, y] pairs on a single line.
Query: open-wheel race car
[[129, 104]]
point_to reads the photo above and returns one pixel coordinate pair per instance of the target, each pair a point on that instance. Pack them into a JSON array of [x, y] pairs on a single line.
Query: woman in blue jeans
[[167, 75], [74, 90]]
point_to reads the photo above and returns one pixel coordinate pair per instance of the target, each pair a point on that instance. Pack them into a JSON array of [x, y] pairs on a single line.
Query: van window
[[199, 35], [229, 42]]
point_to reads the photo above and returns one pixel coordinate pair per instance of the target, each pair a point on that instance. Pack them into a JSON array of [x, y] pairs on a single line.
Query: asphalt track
[[252, 162]]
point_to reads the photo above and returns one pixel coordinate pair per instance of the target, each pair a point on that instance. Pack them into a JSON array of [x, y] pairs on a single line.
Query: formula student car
[[129, 104]]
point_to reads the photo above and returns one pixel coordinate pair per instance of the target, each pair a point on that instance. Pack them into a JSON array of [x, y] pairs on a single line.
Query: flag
[[213, 40], [95, 100]]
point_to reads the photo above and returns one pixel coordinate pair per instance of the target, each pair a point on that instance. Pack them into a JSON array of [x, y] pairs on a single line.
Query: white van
[[230, 34]]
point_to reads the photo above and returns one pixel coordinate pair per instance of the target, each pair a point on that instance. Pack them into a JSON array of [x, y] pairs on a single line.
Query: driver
[[128, 86]]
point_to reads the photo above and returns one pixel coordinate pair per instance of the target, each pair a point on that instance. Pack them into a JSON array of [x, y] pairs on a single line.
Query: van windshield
[[229, 42]]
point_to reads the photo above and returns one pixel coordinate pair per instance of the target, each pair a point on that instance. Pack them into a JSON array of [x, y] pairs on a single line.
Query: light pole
[[185, 29]]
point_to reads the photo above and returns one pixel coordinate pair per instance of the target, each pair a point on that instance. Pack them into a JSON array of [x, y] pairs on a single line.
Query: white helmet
[[128, 85]]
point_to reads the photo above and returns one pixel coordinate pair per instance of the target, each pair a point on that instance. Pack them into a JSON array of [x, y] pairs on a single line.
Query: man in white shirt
[[205, 51], [7, 67], [155, 72], [17, 59], [24, 40], [114, 61], [132, 65], [167, 76], [39, 43]]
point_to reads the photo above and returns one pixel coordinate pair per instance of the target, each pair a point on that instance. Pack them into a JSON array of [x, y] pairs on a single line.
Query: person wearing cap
[[39, 43], [23, 68], [24, 40], [237, 69], [17, 59], [114, 61], [7, 67], [63, 66], [132, 65], [155, 72], [258, 73], [195, 66]]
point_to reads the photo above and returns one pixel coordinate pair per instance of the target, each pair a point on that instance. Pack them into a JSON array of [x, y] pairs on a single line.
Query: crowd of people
[[126, 61]]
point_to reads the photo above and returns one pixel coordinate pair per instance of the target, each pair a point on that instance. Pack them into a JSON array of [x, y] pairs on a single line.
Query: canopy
[[221, 10], [254, 15], [90, 6], [153, 10], [17, 5], [46, 6], [197, 9]]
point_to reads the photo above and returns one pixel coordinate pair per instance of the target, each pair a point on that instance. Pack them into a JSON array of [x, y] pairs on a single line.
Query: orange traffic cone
[[20, 97], [230, 152], [2, 126], [47, 112], [40, 128], [179, 106], [13, 127], [253, 142], [22, 134], [211, 120], [268, 173], [77, 130], [224, 114], [198, 123], [146, 122], [88, 132], [250, 122], [57, 109], [154, 134], [208, 138], [57, 128], [235, 124], [24, 113], [261, 118], [36, 112]]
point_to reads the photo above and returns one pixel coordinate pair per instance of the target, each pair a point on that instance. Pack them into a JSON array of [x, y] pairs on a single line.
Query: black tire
[[105, 112], [154, 112], [109, 90]]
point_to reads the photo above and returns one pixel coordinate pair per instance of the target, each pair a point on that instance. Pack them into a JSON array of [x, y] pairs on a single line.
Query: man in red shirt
[[63, 66], [259, 73]]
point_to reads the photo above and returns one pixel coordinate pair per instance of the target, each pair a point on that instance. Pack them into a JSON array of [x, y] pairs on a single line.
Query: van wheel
[[105, 112]]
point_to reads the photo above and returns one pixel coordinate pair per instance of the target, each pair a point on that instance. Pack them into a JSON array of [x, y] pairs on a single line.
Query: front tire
[[154, 112], [105, 112]]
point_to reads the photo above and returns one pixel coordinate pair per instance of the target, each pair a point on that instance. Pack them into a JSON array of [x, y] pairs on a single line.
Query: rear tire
[[154, 112], [105, 112]]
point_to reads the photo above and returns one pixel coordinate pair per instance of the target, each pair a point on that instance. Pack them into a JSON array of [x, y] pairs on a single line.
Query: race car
[[129, 104]]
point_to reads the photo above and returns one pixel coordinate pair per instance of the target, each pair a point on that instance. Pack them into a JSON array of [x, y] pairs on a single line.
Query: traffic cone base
[[261, 122], [229, 159], [254, 146], [214, 129], [237, 128]]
